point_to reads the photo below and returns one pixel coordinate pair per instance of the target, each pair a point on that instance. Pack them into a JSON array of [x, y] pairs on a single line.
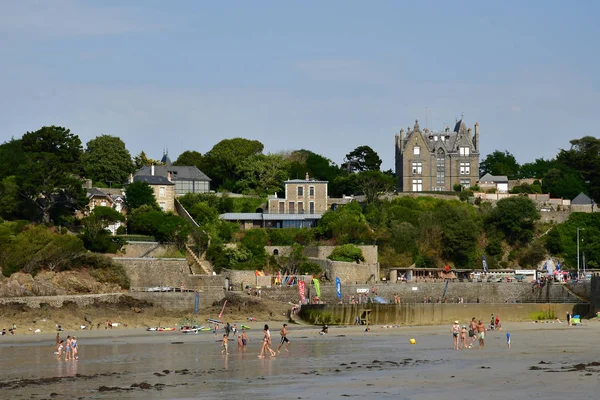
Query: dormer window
[[435, 138], [416, 151], [464, 151]]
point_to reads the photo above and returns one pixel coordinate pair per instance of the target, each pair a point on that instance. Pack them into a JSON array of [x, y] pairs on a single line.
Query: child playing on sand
[[59, 349], [224, 344], [239, 342], [463, 337], [508, 339]]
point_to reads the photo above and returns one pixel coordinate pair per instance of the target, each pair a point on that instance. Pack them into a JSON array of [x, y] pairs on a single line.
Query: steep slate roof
[[177, 173], [494, 178], [166, 160], [304, 181], [96, 192], [452, 139], [582, 198], [152, 179]]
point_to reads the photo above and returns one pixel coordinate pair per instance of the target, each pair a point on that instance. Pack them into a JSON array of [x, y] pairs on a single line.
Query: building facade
[[304, 203], [164, 189], [436, 161], [302, 196]]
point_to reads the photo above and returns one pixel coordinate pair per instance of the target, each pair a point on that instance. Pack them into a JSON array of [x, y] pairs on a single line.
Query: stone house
[[185, 178], [163, 187], [582, 203], [436, 161], [113, 198], [498, 182]]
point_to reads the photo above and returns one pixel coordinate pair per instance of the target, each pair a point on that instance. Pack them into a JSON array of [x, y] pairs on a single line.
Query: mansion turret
[[436, 161]]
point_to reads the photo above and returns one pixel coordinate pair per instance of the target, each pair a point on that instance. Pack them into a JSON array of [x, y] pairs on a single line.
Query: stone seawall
[[169, 301], [436, 314], [503, 292]]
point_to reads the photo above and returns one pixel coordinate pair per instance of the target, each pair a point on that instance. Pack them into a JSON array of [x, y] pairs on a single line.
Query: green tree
[[96, 237], [138, 194], [584, 157], [11, 157], [189, 158], [374, 183], [50, 175], [536, 169], [107, 160], [460, 233], [563, 182], [142, 160], [262, 174], [9, 198], [363, 158], [221, 162], [500, 163], [347, 253], [515, 217], [347, 224]]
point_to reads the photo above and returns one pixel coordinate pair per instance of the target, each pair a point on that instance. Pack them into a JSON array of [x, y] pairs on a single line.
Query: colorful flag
[[338, 287], [301, 290], [558, 266], [317, 287]]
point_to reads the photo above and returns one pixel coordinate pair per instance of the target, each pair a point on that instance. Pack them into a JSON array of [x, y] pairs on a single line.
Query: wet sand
[[549, 361]]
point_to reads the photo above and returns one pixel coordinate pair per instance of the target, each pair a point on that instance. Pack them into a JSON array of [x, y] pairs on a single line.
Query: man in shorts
[[284, 338], [472, 332], [481, 333]]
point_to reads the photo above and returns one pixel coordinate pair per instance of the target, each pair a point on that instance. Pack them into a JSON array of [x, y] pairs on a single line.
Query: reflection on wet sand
[[379, 364]]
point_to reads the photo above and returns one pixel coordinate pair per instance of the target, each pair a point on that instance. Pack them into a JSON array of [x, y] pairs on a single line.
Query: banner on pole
[[338, 287], [317, 287], [301, 291]]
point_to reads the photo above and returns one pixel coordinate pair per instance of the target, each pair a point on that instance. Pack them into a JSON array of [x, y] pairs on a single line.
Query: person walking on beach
[[284, 338], [224, 344], [508, 339], [244, 339], [239, 343], [266, 346], [472, 332], [455, 332], [481, 333]]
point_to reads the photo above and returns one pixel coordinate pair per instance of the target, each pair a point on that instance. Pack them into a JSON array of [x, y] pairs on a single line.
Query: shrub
[[104, 269], [347, 253], [309, 268]]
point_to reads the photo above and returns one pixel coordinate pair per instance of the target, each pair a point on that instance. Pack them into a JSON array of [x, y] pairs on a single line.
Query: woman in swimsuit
[[74, 348], [455, 333]]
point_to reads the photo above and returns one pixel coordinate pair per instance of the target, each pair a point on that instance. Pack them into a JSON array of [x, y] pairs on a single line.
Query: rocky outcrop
[[48, 283]]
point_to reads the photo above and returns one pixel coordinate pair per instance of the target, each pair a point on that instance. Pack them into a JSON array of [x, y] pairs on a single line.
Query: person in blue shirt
[[508, 339]]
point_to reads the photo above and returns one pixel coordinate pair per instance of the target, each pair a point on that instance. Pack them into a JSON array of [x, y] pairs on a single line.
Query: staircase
[[568, 288], [203, 265]]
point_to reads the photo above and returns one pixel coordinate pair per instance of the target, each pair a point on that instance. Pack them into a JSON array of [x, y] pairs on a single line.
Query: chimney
[[476, 136], [152, 170], [169, 176]]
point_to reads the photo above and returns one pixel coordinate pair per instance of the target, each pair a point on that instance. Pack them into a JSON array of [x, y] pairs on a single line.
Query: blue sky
[[327, 76]]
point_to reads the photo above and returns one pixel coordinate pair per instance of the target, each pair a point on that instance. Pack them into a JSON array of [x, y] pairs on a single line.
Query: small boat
[[192, 329], [151, 329], [214, 321], [161, 329]]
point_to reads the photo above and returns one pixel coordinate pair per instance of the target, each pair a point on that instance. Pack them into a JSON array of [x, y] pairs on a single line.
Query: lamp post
[[578, 229]]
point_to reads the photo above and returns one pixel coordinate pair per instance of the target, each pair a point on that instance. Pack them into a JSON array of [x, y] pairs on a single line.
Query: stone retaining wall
[[322, 252], [503, 292], [436, 314]]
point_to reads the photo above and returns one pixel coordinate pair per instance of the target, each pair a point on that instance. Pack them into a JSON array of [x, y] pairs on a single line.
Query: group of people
[[69, 348], [465, 336], [12, 330], [242, 341]]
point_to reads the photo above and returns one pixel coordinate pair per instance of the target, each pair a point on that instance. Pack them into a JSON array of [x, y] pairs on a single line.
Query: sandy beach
[[547, 360]]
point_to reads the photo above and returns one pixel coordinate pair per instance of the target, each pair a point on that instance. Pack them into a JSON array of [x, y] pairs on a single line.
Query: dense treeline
[[571, 172], [41, 177]]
